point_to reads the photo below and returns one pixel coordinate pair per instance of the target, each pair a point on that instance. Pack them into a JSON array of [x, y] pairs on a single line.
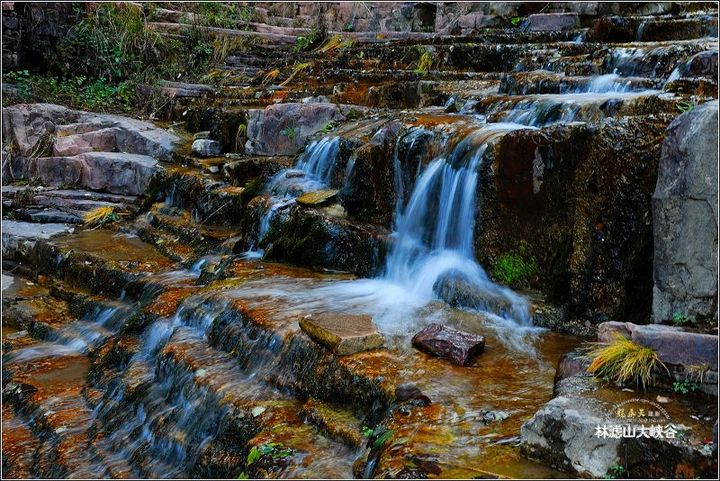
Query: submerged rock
[[685, 218], [448, 343], [343, 334], [458, 291]]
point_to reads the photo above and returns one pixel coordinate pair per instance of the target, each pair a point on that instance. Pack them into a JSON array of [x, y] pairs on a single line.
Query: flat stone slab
[[457, 346], [318, 198], [674, 345], [29, 230], [343, 334]]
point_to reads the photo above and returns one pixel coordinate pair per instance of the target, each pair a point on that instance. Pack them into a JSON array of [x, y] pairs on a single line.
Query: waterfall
[[433, 252], [313, 171]]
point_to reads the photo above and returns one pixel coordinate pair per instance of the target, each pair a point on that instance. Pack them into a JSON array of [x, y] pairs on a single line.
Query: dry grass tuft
[[100, 216], [622, 361], [296, 70]]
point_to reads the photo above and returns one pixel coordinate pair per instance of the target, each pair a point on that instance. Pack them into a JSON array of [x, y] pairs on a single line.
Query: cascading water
[[313, 171], [434, 240]]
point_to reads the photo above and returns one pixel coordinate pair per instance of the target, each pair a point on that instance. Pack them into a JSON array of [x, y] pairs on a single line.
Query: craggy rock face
[[583, 224], [685, 218], [282, 129]]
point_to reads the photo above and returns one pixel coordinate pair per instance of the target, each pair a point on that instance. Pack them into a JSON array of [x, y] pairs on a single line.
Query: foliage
[[289, 132], [274, 450], [327, 127], [622, 361], [515, 268], [685, 386], [515, 21], [366, 431], [616, 471], [685, 106], [306, 42], [77, 92], [100, 216], [680, 319], [382, 438], [424, 62]]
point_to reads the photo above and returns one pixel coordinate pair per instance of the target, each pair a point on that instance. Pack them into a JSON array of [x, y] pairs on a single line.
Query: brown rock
[[343, 334], [318, 198], [448, 343]]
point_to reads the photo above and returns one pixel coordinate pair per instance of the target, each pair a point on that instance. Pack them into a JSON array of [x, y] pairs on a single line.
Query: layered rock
[[685, 218]]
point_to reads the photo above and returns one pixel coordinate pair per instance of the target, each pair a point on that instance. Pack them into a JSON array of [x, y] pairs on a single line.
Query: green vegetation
[[367, 431], [680, 319], [515, 21], [274, 450], [685, 106], [289, 132], [425, 61], [616, 471], [685, 386], [306, 42], [327, 127], [623, 361], [515, 268], [112, 50], [382, 438]]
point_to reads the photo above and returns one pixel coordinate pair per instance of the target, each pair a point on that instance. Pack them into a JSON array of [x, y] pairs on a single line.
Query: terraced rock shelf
[[228, 284]]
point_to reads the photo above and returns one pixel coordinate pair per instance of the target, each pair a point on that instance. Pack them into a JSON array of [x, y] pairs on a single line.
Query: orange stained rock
[[167, 303]]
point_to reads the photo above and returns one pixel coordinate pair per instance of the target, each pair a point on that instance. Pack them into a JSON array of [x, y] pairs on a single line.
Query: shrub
[[622, 361]]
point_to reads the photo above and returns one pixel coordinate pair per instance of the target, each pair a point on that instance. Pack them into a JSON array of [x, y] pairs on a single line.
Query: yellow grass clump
[[623, 361], [100, 216]]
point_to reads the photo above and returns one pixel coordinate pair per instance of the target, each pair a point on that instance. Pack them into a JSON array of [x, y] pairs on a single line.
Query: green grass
[[623, 361]]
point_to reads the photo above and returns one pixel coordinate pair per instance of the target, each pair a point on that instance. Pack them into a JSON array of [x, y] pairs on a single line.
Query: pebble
[[662, 399]]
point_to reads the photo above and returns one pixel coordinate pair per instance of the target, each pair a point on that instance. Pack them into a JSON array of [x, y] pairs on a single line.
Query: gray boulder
[[551, 22], [685, 218], [206, 147]]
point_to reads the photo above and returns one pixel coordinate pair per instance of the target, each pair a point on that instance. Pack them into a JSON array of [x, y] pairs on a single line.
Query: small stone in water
[[258, 410], [200, 373], [445, 342], [662, 399]]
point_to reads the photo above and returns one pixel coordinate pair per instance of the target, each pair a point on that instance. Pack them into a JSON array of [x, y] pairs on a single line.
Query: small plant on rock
[[685, 106], [623, 361], [100, 216], [424, 62], [289, 132], [685, 386], [515, 268], [616, 471], [680, 319]]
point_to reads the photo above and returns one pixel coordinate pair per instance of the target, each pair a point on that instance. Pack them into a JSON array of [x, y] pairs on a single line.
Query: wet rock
[[242, 170], [114, 172], [570, 364], [343, 334], [551, 21], [611, 29], [673, 345], [458, 291], [14, 231], [685, 201], [282, 129], [562, 434], [449, 343], [206, 147], [368, 193], [409, 392], [318, 198]]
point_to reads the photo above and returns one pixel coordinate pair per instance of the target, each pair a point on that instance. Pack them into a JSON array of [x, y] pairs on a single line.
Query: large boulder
[[69, 132], [576, 432], [551, 21], [685, 218], [114, 172], [282, 129]]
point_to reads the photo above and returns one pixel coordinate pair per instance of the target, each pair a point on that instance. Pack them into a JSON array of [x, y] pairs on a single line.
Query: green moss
[[515, 268]]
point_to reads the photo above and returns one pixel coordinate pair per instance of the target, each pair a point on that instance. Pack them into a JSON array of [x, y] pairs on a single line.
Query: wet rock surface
[[448, 343], [341, 333]]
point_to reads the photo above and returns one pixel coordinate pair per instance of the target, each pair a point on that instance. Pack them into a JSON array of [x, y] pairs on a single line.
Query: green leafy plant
[[382, 438], [243, 475], [680, 319], [367, 431], [622, 361], [685, 386], [306, 42], [289, 132], [616, 471], [685, 106], [327, 127], [515, 268], [515, 21], [274, 450]]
